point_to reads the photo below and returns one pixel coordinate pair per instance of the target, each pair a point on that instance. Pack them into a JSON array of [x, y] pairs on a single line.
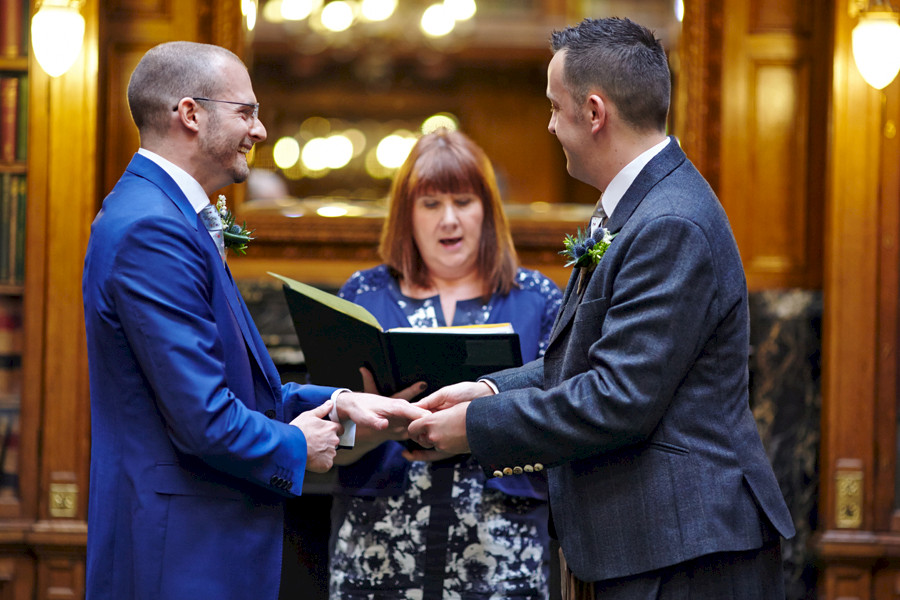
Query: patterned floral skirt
[[495, 547]]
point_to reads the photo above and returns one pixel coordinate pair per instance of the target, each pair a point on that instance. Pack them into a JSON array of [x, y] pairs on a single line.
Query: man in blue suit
[[195, 441], [659, 485]]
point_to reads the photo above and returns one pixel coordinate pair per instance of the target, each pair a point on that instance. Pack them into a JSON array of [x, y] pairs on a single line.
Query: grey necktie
[[210, 217], [598, 219]]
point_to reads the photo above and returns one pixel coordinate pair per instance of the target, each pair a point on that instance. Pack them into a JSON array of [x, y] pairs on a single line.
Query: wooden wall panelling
[[848, 583], [860, 327], [886, 382], [698, 93], [16, 577], [772, 140], [61, 192], [851, 278]]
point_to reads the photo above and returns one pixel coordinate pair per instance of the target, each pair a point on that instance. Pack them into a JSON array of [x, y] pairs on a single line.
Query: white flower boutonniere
[[237, 237]]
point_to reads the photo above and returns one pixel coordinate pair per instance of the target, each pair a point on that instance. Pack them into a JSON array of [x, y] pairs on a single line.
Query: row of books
[[14, 27], [13, 117], [10, 392], [9, 449], [13, 192], [14, 30]]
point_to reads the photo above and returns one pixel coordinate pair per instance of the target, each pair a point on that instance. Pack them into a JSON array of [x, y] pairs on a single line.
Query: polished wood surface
[[773, 139]]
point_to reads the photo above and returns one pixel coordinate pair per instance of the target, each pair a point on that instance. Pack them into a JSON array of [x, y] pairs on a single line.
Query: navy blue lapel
[[659, 166], [149, 170], [257, 347]]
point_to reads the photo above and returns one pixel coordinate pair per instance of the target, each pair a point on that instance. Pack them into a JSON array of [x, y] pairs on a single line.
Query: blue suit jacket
[[640, 404], [190, 452]]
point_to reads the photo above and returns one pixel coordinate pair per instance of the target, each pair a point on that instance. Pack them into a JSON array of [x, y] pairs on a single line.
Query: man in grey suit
[[659, 484]]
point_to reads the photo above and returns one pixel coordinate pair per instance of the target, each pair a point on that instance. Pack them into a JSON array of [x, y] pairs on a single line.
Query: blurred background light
[[286, 152], [337, 16], [378, 10], [437, 21]]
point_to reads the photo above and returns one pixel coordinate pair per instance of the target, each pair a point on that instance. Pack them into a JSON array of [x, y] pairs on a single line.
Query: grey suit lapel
[[658, 168]]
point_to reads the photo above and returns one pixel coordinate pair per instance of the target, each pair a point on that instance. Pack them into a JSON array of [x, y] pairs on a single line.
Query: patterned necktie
[[210, 217], [598, 219]]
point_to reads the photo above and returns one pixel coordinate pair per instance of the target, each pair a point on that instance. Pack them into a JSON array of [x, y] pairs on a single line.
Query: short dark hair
[[622, 59], [448, 162], [169, 72]]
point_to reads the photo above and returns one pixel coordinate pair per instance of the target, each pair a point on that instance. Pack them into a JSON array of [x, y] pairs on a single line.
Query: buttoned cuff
[[348, 438]]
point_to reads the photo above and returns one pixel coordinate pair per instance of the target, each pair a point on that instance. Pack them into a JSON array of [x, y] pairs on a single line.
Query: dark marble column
[[785, 367]]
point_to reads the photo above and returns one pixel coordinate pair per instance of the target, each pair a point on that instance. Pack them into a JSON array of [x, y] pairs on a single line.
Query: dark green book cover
[[337, 337]]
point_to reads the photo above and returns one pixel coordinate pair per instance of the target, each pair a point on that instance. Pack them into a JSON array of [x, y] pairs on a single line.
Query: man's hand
[[444, 430], [390, 416], [321, 437], [452, 395]]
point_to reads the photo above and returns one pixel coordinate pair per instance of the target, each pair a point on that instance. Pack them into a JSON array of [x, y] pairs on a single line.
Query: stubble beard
[[221, 151]]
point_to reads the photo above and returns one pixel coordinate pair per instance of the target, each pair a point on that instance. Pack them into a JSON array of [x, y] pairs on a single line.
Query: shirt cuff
[[490, 384], [348, 438]]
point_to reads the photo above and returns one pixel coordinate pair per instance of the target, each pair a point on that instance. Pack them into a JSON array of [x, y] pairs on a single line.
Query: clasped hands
[[437, 423]]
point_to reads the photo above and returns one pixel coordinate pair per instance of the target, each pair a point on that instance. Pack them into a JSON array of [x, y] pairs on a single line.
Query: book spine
[[22, 120], [9, 452], [9, 99], [5, 226], [11, 25], [26, 27], [11, 225], [18, 251], [10, 347]]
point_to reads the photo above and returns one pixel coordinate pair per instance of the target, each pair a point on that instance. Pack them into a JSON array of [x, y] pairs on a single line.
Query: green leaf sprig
[[583, 250]]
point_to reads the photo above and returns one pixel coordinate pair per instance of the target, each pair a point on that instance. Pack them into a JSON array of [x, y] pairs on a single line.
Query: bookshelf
[[13, 191]]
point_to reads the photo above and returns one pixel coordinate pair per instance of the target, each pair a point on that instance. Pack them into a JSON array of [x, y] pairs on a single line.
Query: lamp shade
[[876, 48], [57, 33]]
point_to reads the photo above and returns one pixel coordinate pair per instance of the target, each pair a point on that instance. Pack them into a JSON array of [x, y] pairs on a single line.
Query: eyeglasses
[[248, 115]]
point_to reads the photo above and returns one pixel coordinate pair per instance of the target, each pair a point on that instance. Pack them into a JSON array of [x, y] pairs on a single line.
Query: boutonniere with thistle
[[584, 250], [237, 237]]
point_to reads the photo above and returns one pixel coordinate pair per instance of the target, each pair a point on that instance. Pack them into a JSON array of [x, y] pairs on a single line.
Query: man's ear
[[599, 112], [187, 109]]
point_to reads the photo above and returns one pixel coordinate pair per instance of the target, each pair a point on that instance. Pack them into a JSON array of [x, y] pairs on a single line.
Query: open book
[[337, 337]]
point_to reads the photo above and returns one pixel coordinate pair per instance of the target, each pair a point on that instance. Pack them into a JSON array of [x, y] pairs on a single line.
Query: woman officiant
[[404, 519]]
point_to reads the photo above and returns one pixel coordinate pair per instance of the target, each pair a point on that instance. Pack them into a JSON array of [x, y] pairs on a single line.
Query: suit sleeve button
[[517, 470], [498, 473], [270, 413], [538, 467], [528, 469], [507, 471]]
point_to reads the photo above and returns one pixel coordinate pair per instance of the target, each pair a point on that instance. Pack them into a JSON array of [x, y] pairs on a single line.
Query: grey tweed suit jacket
[[639, 408]]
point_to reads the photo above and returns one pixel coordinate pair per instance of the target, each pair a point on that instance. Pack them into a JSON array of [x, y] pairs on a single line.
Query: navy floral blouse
[[492, 540]]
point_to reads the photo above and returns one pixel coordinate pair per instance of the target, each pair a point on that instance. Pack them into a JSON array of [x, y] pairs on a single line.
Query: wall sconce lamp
[[57, 33], [876, 41]]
